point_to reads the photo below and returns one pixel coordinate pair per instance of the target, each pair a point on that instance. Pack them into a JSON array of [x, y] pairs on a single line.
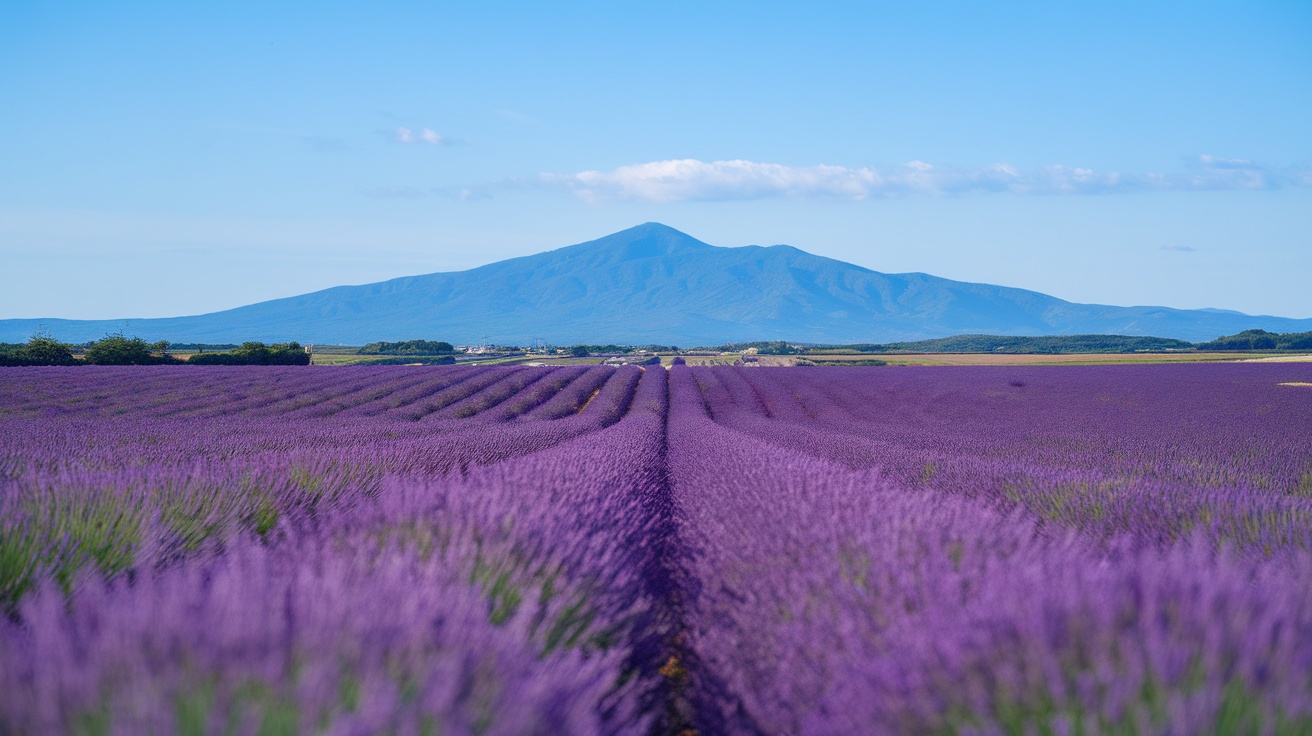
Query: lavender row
[[515, 550], [79, 493], [521, 597], [827, 600], [396, 392], [1225, 450]]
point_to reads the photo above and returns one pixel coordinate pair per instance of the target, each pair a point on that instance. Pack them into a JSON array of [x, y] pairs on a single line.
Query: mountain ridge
[[654, 284]]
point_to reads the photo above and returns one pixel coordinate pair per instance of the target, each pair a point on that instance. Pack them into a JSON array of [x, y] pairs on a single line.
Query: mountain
[[654, 284]]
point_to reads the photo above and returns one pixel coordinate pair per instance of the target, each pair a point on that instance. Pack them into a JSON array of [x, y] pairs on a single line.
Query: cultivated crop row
[[841, 596], [595, 550]]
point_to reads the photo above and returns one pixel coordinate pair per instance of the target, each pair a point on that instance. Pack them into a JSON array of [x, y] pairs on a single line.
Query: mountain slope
[[654, 284]]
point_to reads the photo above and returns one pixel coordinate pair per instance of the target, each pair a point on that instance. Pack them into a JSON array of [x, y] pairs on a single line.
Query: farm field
[[586, 549], [994, 359], [962, 359]]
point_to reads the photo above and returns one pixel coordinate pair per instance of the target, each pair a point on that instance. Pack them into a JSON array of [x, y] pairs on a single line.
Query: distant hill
[[654, 284], [1018, 345]]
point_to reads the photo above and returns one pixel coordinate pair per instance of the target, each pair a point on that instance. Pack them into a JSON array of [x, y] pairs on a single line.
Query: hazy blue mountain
[[654, 284]]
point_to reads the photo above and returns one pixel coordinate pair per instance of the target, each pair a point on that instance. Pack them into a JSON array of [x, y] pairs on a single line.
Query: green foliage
[[256, 353], [61, 536], [417, 359], [46, 350], [620, 349], [1260, 340], [1304, 487], [41, 349], [774, 347], [264, 518], [119, 350], [408, 347], [200, 347], [1240, 711], [253, 702]]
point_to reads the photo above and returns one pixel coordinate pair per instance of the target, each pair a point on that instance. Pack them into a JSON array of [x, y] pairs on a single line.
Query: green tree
[[409, 347], [117, 349], [41, 349], [256, 353], [1246, 340]]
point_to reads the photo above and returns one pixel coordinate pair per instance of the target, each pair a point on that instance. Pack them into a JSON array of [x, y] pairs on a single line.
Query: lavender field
[[514, 550]]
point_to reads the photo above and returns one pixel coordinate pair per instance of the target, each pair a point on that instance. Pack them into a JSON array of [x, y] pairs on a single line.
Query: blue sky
[[163, 159]]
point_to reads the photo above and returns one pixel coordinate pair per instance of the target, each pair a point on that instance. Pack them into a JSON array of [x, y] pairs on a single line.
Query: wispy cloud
[[687, 180], [1179, 248], [424, 135]]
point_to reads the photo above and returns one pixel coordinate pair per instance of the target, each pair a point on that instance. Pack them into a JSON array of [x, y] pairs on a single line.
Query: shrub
[[41, 349], [256, 353], [409, 347], [119, 350]]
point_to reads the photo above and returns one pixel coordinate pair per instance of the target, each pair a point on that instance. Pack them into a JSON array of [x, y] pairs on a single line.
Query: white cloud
[[1224, 163], [425, 135], [685, 180], [690, 179]]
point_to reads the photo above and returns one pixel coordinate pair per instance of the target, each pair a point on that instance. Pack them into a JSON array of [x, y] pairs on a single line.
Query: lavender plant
[[1121, 549]]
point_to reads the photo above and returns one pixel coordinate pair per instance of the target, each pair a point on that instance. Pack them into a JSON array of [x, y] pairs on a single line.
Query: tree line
[[42, 349], [583, 351], [117, 349], [1261, 340], [408, 347]]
